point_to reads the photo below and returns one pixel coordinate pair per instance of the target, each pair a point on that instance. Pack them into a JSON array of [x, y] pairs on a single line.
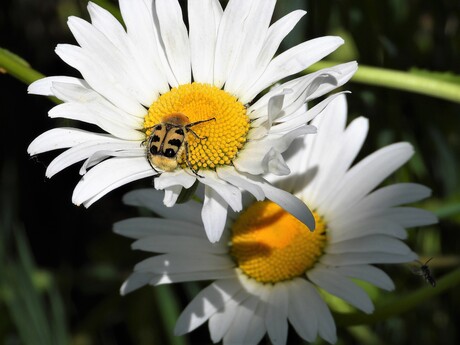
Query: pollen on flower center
[[220, 139], [270, 245]]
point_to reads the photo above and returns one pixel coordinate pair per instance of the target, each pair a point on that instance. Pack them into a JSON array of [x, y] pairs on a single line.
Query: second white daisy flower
[[268, 267]]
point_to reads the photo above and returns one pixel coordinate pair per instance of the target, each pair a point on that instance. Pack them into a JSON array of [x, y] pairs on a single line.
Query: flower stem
[[17, 67], [400, 305], [400, 80]]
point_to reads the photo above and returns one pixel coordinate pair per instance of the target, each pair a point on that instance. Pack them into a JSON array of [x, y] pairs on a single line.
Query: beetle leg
[[188, 127], [195, 135]]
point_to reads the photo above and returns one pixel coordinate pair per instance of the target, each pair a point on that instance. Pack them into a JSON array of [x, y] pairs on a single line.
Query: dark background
[[75, 250]]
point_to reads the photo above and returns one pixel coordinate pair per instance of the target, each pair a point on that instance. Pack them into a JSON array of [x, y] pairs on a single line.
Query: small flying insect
[[424, 271], [168, 141]]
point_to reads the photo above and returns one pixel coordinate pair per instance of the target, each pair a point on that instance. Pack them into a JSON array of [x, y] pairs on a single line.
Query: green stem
[[17, 67], [400, 305], [399, 80], [169, 310]]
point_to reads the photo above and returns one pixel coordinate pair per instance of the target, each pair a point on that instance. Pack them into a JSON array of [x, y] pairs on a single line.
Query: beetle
[[168, 141]]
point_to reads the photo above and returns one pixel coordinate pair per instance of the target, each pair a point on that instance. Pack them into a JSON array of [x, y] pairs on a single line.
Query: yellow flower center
[[270, 245], [219, 140]]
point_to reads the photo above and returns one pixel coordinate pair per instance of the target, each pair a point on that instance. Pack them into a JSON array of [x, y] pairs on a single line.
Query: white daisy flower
[[184, 103], [269, 266]]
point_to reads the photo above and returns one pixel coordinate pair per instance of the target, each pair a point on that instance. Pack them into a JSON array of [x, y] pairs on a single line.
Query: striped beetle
[[168, 141]]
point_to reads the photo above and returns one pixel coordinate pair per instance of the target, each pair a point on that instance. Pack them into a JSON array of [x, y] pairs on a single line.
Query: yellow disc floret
[[220, 140], [270, 245]]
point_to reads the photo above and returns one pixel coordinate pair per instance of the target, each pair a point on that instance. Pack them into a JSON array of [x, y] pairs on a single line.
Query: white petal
[[181, 277], [229, 193], [145, 227], [336, 284], [230, 38], [369, 274], [70, 111], [349, 145], [103, 20], [366, 258], [301, 312], [367, 174], [146, 72], [277, 312], [83, 95], [256, 327], [135, 281], [171, 195], [293, 61], [320, 108], [323, 150], [44, 86], [298, 86], [121, 68], [301, 116], [230, 175], [303, 93], [249, 159], [275, 34], [153, 200], [403, 216], [373, 243], [177, 244], [109, 175], [142, 31], [175, 178], [99, 78], [393, 195], [287, 201], [326, 325], [247, 326], [217, 11], [275, 104], [101, 155], [100, 116], [183, 263], [175, 39], [222, 320], [341, 74], [64, 137], [410, 216], [213, 214], [205, 304], [342, 232], [85, 150], [255, 27], [274, 163], [203, 27]]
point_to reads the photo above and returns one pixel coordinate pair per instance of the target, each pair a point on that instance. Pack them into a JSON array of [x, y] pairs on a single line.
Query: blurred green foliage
[[62, 287]]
